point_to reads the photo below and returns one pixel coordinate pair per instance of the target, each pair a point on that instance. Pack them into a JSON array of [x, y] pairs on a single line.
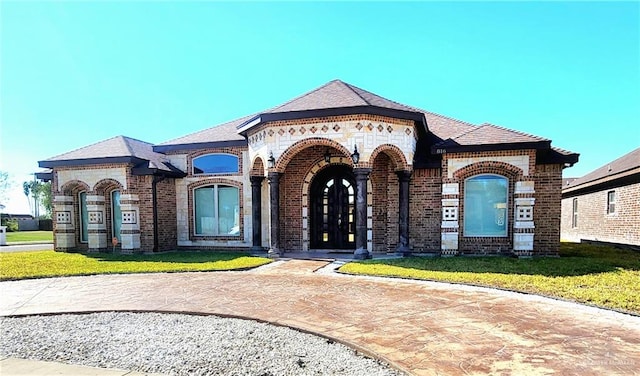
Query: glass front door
[[333, 219]]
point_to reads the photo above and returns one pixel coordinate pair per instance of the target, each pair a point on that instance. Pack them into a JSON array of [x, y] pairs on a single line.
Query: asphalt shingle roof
[[628, 163], [488, 134], [223, 132], [334, 94], [118, 146]]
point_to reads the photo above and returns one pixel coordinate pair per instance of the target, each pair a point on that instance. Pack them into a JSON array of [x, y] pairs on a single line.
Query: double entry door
[[333, 222]]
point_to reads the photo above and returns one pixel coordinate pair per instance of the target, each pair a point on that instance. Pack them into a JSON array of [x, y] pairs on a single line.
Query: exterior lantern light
[[355, 156], [327, 156], [271, 162]]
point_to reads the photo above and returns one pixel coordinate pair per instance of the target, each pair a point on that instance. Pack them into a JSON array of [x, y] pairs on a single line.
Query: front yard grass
[[30, 236], [40, 264], [597, 275]]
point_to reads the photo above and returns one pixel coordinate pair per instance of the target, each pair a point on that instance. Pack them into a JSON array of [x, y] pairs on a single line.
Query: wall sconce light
[[271, 161], [355, 156], [327, 156]]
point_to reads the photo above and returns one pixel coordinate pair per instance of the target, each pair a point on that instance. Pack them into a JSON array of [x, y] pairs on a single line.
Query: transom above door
[[333, 222]]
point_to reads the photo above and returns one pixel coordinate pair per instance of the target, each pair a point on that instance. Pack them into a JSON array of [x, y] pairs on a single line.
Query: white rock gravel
[[179, 344]]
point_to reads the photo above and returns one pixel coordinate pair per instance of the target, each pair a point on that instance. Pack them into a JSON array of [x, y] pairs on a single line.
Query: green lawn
[[38, 264], [29, 236], [597, 275]]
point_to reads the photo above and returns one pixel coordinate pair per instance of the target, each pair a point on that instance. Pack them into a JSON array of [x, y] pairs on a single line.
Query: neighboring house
[[604, 205], [338, 168]]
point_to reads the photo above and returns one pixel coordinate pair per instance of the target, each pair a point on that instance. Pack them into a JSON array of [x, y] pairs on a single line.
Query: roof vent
[[609, 168]]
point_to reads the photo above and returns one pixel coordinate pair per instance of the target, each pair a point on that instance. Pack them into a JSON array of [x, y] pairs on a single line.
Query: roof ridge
[[351, 87], [125, 140], [300, 96]]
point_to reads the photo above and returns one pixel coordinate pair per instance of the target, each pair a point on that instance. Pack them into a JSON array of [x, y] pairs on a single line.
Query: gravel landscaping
[[180, 344]]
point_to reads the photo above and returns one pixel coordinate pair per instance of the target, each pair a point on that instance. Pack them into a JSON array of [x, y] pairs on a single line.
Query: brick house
[[338, 168], [604, 205]]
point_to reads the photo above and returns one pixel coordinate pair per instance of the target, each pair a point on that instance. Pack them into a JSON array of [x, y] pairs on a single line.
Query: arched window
[[116, 213], [215, 164], [485, 205], [216, 210], [84, 217]]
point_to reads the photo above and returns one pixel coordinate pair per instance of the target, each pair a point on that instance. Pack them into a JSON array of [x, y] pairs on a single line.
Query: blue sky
[[74, 73]]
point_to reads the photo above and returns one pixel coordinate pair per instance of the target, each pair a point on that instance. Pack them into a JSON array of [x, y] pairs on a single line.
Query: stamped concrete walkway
[[422, 327]]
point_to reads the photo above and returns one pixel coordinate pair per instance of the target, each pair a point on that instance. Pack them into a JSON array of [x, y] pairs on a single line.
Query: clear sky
[[74, 73]]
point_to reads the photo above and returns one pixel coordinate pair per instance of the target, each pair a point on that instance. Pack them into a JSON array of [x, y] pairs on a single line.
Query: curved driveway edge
[[424, 327]]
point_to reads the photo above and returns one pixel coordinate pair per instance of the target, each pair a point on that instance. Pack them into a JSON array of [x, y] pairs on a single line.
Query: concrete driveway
[[424, 328]]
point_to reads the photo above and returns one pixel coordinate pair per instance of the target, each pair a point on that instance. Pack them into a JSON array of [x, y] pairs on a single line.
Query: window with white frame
[[485, 205], [574, 218], [215, 164], [216, 210], [611, 202]]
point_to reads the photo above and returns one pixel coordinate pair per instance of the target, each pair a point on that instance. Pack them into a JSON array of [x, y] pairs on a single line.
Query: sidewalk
[[25, 367]]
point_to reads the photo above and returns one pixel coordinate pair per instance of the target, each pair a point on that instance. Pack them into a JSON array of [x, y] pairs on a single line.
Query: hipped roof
[[119, 149], [436, 133]]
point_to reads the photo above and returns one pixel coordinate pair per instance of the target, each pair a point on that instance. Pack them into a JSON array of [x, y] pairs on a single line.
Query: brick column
[[130, 228], [450, 227], [256, 212], [64, 228], [97, 227], [403, 213], [523, 226], [274, 204], [362, 178]]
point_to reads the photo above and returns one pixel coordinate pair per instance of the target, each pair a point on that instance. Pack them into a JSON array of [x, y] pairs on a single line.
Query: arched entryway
[[333, 209]]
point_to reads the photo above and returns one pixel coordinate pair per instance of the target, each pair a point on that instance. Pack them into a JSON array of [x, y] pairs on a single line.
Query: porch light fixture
[[355, 156], [327, 156], [271, 161]]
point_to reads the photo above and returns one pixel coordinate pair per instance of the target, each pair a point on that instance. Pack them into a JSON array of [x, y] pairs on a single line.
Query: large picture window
[[485, 205], [217, 211], [215, 164]]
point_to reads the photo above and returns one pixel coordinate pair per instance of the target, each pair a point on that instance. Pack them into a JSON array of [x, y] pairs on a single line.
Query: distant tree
[[5, 185], [36, 190], [46, 198], [26, 188]]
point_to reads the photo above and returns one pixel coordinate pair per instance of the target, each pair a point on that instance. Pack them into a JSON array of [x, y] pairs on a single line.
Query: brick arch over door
[[74, 186], [293, 150], [306, 197], [394, 153], [107, 185]]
